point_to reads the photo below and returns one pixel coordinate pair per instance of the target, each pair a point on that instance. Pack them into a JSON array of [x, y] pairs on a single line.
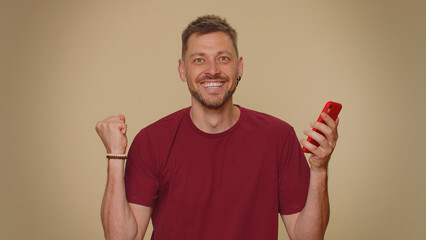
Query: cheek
[[193, 73], [232, 71]]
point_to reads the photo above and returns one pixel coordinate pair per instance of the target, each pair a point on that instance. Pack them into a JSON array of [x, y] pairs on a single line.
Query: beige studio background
[[67, 64]]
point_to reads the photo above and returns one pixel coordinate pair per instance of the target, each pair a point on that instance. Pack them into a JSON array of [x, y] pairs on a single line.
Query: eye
[[198, 60], [224, 58]]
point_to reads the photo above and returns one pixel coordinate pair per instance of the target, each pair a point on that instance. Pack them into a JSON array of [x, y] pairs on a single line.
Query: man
[[215, 170]]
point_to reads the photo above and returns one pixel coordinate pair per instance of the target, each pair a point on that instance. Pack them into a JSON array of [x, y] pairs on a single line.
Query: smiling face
[[210, 67]]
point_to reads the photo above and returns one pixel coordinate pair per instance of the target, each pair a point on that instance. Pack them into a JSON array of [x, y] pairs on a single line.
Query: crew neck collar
[[214, 135]]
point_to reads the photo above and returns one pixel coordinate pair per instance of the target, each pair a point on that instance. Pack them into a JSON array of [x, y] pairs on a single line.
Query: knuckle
[[323, 140], [99, 125], [321, 154], [327, 153]]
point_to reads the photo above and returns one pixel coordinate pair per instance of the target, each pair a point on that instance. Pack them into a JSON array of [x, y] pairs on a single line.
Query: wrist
[[319, 178], [319, 175], [319, 170], [116, 167], [116, 150]]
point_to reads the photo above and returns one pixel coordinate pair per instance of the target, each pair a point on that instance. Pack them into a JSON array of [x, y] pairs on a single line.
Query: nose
[[212, 68]]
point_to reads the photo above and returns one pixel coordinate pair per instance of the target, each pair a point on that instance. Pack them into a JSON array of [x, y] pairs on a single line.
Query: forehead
[[210, 43]]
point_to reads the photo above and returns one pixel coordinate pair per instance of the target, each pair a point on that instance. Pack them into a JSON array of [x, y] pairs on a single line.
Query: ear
[[181, 69], [240, 66]]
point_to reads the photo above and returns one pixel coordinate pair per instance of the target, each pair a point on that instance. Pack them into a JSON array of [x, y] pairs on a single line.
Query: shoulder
[[163, 127], [265, 121], [168, 121], [267, 129]]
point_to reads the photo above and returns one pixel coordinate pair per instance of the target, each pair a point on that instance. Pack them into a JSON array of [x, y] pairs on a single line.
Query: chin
[[214, 105]]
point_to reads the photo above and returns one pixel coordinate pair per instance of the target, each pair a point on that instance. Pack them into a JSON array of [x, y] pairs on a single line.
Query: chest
[[219, 169]]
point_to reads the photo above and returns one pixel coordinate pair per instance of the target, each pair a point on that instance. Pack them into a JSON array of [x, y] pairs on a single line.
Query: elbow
[[116, 232], [309, 235], [120, 236]]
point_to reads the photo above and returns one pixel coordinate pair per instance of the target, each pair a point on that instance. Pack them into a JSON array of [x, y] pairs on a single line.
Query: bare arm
[[312, 221], [120, 219]]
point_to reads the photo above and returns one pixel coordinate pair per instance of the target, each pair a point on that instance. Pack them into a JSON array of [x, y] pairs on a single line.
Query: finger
[[118, 125], [328, 132], [112, 117], [319, 152], [325, 147], [105, 124], [337, 124], [321, 127], [311, 147], [328, 120], [122, 117], [318, 137], [332, 124], [115, 118], [123, 128]]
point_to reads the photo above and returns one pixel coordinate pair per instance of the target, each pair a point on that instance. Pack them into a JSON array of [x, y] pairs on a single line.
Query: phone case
[[333, 110]]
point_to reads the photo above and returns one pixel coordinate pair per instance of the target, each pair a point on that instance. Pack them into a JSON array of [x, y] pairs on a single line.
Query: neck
[[214, 120]]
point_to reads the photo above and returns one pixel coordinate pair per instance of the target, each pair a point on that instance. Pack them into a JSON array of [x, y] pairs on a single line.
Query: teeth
[[212, 84]]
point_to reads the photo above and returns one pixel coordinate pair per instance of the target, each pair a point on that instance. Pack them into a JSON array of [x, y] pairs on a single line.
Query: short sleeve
[[293, 175], [141, 176]]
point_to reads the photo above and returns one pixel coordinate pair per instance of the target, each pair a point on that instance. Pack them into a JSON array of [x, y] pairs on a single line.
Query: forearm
[[117, 218], [313, 219]]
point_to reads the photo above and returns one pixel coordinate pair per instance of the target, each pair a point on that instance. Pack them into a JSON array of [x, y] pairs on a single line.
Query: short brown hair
[[208, 24]]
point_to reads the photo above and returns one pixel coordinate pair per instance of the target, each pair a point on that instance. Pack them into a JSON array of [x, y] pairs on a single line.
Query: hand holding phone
[[333, 110]]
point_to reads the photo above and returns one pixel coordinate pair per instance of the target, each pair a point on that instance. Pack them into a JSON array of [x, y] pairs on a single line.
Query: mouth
[[212, 84]]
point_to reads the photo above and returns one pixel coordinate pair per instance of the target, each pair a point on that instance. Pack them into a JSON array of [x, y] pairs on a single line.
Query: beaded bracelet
[[116, 156]]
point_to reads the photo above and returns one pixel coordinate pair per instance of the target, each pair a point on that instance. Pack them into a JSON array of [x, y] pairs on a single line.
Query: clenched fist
[[112, 132]]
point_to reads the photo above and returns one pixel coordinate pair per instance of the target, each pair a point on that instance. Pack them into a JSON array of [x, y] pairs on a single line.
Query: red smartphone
[[333, 110]]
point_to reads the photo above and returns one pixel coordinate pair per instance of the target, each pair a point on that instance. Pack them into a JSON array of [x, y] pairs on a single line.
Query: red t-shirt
[[229, 185]]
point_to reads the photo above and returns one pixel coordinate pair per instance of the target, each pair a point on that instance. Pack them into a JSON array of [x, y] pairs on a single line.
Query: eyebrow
[[197, 54], [224, 52], [203, 54]]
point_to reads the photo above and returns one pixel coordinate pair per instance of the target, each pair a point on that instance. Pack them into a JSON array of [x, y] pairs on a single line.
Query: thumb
[[122, 117], [123, 129]]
